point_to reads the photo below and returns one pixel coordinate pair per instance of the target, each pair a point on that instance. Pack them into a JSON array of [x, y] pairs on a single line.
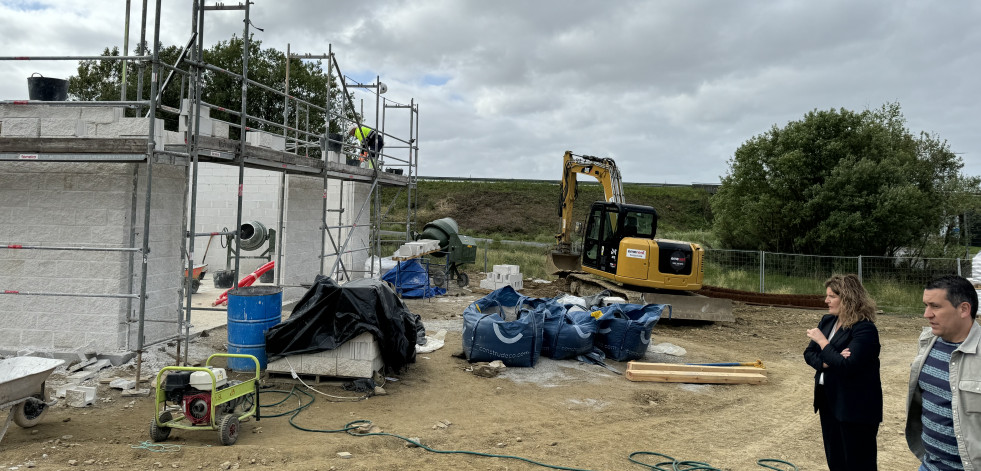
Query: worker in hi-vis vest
[[371, 142]]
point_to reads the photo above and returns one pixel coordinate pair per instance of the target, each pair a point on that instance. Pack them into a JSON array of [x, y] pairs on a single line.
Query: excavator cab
[[607, 225], [619, 244]]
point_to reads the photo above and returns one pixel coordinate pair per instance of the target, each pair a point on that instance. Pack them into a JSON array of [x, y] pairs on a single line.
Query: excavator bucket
[[562, 262]]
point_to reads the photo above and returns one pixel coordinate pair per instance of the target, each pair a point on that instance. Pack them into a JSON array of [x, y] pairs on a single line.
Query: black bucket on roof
[[46, 88]]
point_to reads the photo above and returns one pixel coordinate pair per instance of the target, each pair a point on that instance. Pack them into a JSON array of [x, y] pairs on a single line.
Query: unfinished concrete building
[[102, 208]]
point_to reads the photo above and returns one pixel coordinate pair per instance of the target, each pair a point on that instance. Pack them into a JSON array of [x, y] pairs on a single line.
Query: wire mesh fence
[[896, 283]]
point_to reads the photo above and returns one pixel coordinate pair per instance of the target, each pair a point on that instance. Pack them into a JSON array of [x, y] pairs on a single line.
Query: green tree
[[842, 183], [100, 80]]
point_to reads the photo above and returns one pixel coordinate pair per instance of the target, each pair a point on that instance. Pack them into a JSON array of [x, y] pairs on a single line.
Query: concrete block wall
[[84, 204], [74, 121], [164, 263], [71, 205], [302, 240]]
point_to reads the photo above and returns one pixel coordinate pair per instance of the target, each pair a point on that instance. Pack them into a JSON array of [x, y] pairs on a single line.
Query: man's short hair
[[959, 290]]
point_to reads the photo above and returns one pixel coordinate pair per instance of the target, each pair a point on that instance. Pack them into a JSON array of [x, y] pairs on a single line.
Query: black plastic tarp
[[330, 314]]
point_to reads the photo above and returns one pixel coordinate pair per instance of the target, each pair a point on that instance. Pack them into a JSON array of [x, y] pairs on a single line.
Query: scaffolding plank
[[76, 145], [223, 145], [350, 172]]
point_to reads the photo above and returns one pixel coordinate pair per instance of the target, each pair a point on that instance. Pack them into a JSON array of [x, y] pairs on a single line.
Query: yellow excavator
[[619, 244]]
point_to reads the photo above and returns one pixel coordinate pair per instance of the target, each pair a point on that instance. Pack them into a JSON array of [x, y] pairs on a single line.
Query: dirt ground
[[560, 413]]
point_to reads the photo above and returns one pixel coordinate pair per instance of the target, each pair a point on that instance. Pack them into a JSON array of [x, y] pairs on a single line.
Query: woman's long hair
[[856, 304]]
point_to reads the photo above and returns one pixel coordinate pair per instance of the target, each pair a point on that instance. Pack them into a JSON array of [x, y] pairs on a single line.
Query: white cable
[[297, 377]]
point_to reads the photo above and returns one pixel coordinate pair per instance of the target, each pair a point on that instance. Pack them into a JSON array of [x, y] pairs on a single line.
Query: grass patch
[[894, 297], [531, 260]]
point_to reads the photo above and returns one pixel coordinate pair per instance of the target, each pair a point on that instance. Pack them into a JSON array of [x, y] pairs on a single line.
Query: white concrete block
[[359, 357], [80, 396], [265, 139], [20, 127], [219, 129], [100, 115], [59, 127], [173, 137], [205, 129], [487, 284], [40, 111], [506, 269], [186, 109], [130, 127], [122, 383], [429, 245]]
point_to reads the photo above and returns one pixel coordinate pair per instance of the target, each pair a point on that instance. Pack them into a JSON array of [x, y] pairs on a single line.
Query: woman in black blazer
[[844, 352]]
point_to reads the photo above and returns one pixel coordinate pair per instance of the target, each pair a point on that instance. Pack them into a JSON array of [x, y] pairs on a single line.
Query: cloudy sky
[[668, 88]]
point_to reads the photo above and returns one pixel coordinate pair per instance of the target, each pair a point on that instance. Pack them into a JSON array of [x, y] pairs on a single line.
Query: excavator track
[[684, 305]]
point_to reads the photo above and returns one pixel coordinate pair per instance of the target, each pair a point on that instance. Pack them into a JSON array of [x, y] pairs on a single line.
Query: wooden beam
[[640, 366], [677, 373]]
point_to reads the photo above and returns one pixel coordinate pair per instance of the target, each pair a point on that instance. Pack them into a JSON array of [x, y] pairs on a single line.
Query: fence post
[[860, 269], [959, 266], [762, 271]]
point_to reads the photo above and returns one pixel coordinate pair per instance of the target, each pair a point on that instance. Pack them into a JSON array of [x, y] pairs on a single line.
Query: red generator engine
[[193, 391]]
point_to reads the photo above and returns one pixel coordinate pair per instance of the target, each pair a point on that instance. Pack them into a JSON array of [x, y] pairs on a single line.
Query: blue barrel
[[252, 310]]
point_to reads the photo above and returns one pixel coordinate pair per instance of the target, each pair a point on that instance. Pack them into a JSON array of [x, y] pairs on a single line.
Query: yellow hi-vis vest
[[362, 133]]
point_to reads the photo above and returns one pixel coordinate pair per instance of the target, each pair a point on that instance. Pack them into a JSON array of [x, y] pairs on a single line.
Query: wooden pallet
[[322, 380], [678, 373]]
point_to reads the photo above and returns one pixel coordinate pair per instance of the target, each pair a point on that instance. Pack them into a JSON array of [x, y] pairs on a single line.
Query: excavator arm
[[564, 258]]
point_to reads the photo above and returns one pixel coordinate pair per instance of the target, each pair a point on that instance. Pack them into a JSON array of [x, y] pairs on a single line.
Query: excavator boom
[[564, 258]]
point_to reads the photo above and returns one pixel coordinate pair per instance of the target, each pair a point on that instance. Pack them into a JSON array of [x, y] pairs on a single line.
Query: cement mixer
[[253, 235], [456, 248]]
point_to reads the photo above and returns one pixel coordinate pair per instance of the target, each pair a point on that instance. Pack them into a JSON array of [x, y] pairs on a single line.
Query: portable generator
[[204, 398]]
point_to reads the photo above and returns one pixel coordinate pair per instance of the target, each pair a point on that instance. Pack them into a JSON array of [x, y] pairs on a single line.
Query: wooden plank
[[701, 377], [640, 366], [73, 145]]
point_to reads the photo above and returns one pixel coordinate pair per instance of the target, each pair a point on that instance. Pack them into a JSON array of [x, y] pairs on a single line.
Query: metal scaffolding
[[306, 153]]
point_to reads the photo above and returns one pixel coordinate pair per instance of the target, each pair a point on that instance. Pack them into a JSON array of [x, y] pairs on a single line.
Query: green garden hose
[[354, 428]]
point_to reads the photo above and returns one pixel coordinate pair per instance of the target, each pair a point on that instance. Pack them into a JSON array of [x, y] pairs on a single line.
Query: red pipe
[[247, 281]]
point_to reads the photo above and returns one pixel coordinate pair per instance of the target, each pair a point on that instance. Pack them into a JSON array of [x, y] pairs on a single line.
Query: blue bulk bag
[[411, 280], [506, 326], [624, 330], [568, 334]]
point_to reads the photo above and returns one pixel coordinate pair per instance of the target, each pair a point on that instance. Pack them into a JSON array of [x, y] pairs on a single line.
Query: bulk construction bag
[[506, 326], [624, 330], [568, 332]]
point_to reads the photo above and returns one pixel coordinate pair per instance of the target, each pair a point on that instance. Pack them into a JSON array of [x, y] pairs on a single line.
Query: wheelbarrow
[[197, 275], [22, 389]]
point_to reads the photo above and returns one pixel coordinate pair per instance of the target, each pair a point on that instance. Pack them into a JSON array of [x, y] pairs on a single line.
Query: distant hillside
[[529, 210]]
